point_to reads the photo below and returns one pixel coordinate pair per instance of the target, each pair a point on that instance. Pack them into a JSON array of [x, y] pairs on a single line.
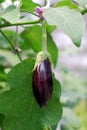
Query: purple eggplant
[[42, 83]]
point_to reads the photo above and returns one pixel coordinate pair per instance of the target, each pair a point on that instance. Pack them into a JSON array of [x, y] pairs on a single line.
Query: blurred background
[[71, 71]]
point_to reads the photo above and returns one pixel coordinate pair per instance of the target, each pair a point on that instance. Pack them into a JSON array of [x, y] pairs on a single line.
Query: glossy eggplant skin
[[42, 83]]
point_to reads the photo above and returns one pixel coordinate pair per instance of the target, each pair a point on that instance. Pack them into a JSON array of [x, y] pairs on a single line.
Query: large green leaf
[[67, 20], [19, 106], [33, 39], [28, 5], [2, 117], [11, 14]]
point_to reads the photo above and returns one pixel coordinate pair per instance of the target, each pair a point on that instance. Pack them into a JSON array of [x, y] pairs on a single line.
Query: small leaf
[[66, 20], [11, 14], [28, 5]]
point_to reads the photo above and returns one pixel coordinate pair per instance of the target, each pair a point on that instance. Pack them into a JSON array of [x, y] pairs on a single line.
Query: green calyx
[[41, 56]]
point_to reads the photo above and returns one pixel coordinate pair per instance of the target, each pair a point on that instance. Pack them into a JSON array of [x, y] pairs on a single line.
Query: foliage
[[64, 20], [22, 108], [18, 108]]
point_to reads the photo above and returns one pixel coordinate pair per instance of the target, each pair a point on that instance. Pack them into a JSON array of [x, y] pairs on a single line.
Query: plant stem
[[20, 23], [15, 37], [11, 45], [44, 36], [47, 4]]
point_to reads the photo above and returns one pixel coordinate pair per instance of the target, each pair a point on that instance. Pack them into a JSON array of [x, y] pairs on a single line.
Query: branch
[[44, 36], [11, 45], [47, 4], [19, 23]]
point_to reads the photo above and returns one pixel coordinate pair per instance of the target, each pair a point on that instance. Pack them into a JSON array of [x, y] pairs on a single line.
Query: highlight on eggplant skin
[[42, 83]]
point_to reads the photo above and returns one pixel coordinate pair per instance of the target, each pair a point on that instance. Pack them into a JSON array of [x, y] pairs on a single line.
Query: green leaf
[[82, 3], [1, 1], [2, 117], [52, 49], [19, 106], [51, 28], [11, 14], [28, 5], [3, 76], [68, 3], [13, 0], [3, 87], [66, 20], [3, 64], [33, 39]]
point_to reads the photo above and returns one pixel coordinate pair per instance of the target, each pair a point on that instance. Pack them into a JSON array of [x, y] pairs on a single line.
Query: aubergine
[[42, 83]]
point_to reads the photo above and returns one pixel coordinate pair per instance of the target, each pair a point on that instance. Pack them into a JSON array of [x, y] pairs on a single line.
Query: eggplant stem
[[44, 36]]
